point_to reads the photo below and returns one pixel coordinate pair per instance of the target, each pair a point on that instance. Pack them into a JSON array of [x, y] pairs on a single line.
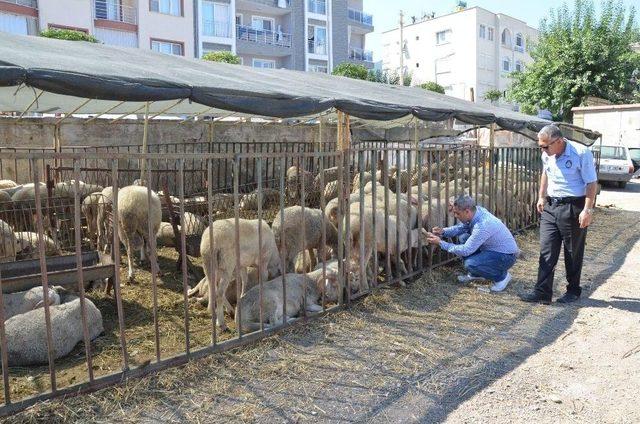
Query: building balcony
[[319, 7], [360, 17], [319, 48], [26, 3], [216, 29], [263, 36], [115, 11], [356, 53]]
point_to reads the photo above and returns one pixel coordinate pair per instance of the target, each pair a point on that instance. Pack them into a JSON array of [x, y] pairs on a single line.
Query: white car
[[615, 164]]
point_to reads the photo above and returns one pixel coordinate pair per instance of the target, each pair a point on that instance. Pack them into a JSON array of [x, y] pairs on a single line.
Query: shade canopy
[[55, 76]]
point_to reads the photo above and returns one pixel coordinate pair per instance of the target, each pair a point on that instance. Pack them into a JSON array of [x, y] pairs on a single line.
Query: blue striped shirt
[[486, 233]]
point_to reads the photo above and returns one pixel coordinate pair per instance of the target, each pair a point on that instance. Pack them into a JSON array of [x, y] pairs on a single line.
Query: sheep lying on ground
[[270, 199], [27, 334], [223, 257], [25, 301], [5, 198], [7, 243], [291, 233], [7, 184], [303, 291], [27, 193], [134, 215]]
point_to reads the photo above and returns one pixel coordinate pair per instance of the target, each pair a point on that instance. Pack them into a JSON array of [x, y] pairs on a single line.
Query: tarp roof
[[69, 72]]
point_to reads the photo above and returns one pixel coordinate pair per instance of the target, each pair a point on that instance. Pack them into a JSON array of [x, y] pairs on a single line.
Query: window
[[417, 38], [18, 24], [215, 19], [490, 32], [519, 66], [519, 42], [260, 23], [167, 47], [323, 69], [443, 37], [239, 19], [506, 38], [169, 7], [317, 39], [485, 61], [506, 64], [417, 65], [263, 63], [482, 33]]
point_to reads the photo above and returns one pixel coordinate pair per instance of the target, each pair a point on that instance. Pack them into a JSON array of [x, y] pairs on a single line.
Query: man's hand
[[585, 218], [540, 204], [433, 239], [438, 231]]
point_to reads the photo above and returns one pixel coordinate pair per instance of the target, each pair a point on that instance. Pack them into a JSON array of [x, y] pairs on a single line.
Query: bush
[[225, 57], [351, 70], [493, 95], [433, 86], [68, 34]]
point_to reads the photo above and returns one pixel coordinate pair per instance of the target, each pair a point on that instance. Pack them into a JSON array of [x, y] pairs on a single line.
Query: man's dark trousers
[[559, 225]]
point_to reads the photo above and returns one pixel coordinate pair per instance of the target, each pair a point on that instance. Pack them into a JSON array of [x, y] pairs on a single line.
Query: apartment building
[[468, 52], [309, 35]]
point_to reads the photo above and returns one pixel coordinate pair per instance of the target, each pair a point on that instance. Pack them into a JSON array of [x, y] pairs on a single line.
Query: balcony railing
[[27, 3], [263, 36], [317, 6], [361, 17], [113, 10], [216, 29], [356, 53], [317, 47]]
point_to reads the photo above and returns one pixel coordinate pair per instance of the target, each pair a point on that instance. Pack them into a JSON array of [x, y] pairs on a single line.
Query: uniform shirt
[[570, 172], [486, 233]]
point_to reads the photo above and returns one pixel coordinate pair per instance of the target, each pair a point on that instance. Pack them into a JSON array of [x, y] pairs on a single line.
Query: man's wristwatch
[[588, 210]]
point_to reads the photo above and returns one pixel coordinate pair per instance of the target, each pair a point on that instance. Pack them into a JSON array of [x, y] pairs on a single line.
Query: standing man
[[486, 244], [568, 188]]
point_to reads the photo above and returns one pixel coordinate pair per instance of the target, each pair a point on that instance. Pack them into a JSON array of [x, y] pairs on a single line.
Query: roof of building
[[86, 78]]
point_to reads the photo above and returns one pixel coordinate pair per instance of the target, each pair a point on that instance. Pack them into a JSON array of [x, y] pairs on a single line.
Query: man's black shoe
[[535, 297], [568, 298]]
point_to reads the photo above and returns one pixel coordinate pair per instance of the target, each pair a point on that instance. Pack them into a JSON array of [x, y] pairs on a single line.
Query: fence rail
[[370, 236]]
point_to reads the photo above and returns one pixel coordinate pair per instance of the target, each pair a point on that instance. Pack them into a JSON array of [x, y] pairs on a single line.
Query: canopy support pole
[[113, 121], [145, 133], [211, 125], [103, 113], [197, 115], [66, 115], [167, 109], [35, 100]]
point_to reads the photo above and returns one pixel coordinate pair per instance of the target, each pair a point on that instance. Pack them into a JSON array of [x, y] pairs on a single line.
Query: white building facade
[[468, 52]]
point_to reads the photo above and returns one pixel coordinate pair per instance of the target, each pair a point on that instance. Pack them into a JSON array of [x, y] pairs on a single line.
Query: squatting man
[[486, 244]]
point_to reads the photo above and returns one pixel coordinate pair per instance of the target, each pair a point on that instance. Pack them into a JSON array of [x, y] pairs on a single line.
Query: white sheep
[[25, 301], [67, 189], [27, 245], [303, 292], [291, 233], [27, 334], [223, 256], [27, 193], [105, 208], [134, 215], [89, 209], [7, 184], [7, 243]]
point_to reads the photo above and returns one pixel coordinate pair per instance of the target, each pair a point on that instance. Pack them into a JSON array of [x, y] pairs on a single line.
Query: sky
[[386, 13]]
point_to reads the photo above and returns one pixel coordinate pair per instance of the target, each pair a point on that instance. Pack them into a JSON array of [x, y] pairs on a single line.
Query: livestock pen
[[374, 201]]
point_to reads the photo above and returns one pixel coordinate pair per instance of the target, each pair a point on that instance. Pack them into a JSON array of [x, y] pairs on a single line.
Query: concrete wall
[[59, 13], [166, 27]]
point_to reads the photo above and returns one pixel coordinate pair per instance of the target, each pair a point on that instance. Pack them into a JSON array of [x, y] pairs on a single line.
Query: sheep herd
[[292, 251]]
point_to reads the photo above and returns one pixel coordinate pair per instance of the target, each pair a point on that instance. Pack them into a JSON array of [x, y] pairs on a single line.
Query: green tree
[[406, 79], [580, 54], [351, 70], [433, 86], [225, 57], [68, 34], [492, 95]]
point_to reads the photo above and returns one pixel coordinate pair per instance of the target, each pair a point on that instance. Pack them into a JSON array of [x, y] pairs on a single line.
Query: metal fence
[[351, 221]]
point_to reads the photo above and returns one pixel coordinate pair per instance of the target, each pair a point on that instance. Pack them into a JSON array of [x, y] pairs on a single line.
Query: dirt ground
[[434, 351]]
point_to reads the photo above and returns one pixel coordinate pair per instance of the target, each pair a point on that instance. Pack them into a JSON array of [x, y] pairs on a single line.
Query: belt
[[564, 200]]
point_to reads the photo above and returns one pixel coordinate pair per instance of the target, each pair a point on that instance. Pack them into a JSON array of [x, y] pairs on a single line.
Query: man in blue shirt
[[568, 188], [487, 246]]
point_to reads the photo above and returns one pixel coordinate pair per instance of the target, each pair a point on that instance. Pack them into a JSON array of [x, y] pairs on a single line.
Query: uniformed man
[[568, 188]]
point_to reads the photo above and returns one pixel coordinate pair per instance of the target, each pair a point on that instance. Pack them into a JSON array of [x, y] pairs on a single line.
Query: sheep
[[331, 191], [295, 177], [27, 334], [27, 193], [270, 199], [25, 301], [329, 174], [193, 225], [290, 234], [67, 189], [7, 243], [134, 215], [165, 236], [224, 258], [89, 209], [302, 291], [27, 245], [105, 208], [7, 184], [407, 212], [366, 176], [5, 198]]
